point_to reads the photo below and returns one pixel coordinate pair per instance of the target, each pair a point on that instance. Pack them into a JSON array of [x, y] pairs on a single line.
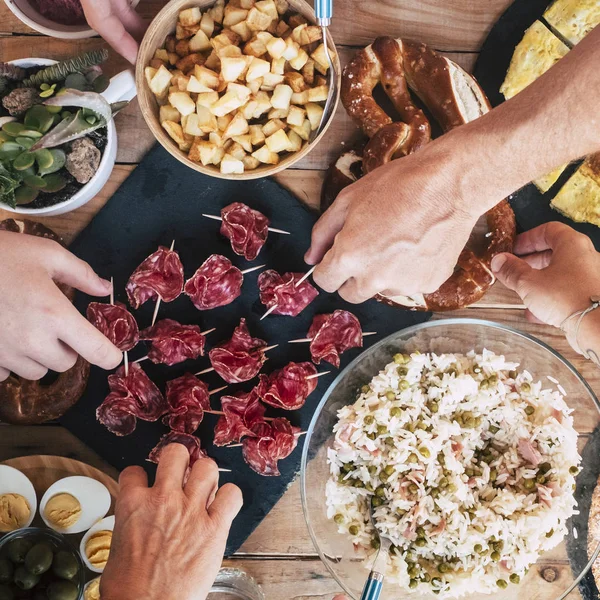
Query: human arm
[[555, 270], [169, 539], [400, 229], [39, 327], [118, 23]]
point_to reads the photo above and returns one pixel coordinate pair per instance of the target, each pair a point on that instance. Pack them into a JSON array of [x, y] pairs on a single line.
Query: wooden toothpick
[[269, 312], [271, 229], [112, 291], [216, 391], [317, 375], [252, 269], [305, 276], [126, 363]]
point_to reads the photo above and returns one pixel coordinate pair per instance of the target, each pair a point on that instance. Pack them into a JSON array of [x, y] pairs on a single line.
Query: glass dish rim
[[407, 331]]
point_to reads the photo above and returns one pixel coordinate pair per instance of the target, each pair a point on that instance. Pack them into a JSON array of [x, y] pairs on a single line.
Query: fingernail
[[498, 262], [107, 285]]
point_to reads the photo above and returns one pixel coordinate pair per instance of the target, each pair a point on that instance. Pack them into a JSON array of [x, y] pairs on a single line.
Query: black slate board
[[163, 200], [532, 208]]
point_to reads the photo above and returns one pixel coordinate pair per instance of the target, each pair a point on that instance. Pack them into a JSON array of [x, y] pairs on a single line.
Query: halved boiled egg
[[91, 591], [18, 501], [95, 545], [74, 504]]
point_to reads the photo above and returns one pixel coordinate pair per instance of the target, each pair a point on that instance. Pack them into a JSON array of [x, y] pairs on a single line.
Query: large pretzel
[[453, 98]]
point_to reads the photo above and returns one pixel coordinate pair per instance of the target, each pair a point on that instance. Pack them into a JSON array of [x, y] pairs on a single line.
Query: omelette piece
[[573, 19], [536, 53], [547, 181], [579, 198]]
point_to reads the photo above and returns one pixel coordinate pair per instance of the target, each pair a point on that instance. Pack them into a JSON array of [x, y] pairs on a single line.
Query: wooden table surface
[[279, 553]]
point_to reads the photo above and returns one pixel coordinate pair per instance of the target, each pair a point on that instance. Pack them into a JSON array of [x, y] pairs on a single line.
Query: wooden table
[[279, 553]]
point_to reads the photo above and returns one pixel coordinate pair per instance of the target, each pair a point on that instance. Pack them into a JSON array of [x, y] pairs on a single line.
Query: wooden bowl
[[163, 25]]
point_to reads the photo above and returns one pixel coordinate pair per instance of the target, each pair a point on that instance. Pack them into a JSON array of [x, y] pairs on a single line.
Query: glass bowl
[[56, 540], [557, 572]]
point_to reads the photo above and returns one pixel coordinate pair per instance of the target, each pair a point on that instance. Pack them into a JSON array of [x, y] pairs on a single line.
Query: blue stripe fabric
[[372, 589]]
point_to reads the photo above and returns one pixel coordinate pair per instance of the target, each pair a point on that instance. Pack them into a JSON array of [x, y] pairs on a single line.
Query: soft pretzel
[[24, 402], [453, 97]]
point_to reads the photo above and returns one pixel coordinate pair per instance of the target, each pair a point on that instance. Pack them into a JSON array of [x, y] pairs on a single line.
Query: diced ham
[[529, 452]]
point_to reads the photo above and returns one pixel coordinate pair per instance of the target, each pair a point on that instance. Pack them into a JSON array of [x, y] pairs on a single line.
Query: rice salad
[[470, 467]]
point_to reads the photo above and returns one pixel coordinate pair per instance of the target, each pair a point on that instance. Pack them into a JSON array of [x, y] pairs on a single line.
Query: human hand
[[169, 540], [118, 23], [397, 231], [39, 327], [555, 271]]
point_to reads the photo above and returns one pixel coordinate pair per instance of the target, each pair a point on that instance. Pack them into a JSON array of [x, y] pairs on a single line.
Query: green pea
[[372, 469], [380, 491], [574, 470], [365, 389], [376, 501], [372, 436], [375, 543], [443, 568], [421, 531], [420, 542], [395, 411], [390, 396], [339, 519], [413, 571], [358, 483], [525, 387], [477, 548], [529, 484], [493, 429], [413, 583], [413, 488], [512, 374], [493, 474], [341, 478], [441, 458], [403, 384], [435, 493], [444, 482], [434, 407], [421, 425], [540, 478], [413, 458], [495, 556], [424, 452], [400, 359], [353, 530], [389, 470], [484, 384], [452, 488], [469, 472], [410, 427], [501, 583], [369, 419], [369, 487], [529, 410], [381, 429], [426, 577], [402, 371], [347, 467], [383, 476], [389, 441], [514, 578]]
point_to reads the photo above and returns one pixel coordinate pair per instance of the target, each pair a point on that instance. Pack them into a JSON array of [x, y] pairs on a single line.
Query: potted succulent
[[57, 138]]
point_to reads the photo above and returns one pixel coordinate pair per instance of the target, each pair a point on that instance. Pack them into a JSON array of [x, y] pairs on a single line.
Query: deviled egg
[[18, 501], [95, 545], [92, 590], [74, 504]]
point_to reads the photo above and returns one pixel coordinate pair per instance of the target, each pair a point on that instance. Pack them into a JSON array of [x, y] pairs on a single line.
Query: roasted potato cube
[[182, 83], [215, 138], [162, 54], [278, 113], [237, 126], [190, 16], [320, 80], [169, 113], [149, 73], [182, 102], [314, 112], [223, 123], [161, 81], [257, 137], [300, 35], [232, 68], [247, 4], [173, 58], [207, 24], [264, 155], [318, 94], [295, 141], [175, 131], [270, 81], [250, 163], [242, 30], [241, 91], [282, 29], [245, 141], [217, 11], [320, 58], [257, 20], [249, 109], [226, 104], [203, 151], [207, 77], [295, 81], [272, 127], [184, 33], [206, 120], [278, 66], [268, 7], [230, 165], [157, 63], [207, 99], [308, 71], [230, 52], [236, 150], [264, 104], [227, 144], [278, 142], [255, 47], [276, 47], [282, 96], [314, 33], [234, 15], [282, 6], [195, 87], [192, 126], [264, 36], [199, 43], [170, 42], [254, 85], [225, 38], [257, 69], [302, 130], [213, 62], [295, 20], [188, 62], [183, 48], [300, 60], [296, 115]]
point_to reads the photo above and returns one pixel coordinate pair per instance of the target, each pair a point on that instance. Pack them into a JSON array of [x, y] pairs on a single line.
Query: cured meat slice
[[271, 443], [172, 342], [159, 276], [241, 358], [187, 398], [191, 442], [334, 333], [216, 283], [242, 413], [131, 397], [115, 322], [283, 292], [288, 388], [246, 228]]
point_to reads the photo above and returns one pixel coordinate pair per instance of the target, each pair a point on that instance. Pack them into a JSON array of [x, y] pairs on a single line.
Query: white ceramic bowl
[[28, 14], [122, 87]]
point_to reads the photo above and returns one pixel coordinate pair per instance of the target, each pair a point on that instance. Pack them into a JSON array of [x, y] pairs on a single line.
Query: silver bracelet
[[579, 315]]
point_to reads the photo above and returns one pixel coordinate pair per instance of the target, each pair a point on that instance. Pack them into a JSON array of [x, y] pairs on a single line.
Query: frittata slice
[[547, 181], [573, 19]]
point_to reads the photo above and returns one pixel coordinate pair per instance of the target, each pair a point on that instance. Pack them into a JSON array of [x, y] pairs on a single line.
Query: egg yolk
[[63, 510], [97, 548], [14, 512], [92, 591]]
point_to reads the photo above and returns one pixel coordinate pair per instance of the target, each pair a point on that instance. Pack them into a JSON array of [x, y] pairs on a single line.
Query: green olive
[[514, 578], [62, 590], [39, 559], [353, 530], [529, 410], [501, 583], [25, 580], [339, 519], [6, 593], [395, 411], [6, 571], [17, 550]]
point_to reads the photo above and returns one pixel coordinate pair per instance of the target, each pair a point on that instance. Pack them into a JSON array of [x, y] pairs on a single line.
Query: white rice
[[471, 464]]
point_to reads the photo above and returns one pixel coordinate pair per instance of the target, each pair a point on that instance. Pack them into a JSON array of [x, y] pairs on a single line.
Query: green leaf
[[59, 159], [26, 194], [25, 142], [44, 159], [24, 161], [14, 128], [9, 182], [54, 183], [10, 150], [34, 181]]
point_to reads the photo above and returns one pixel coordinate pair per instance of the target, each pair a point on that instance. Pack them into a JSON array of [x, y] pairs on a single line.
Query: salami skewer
[[285, 294], [159, 299], [271, 229], [299, 434]]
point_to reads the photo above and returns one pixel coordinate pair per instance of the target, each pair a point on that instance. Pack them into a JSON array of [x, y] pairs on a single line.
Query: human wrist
[[583, 332]]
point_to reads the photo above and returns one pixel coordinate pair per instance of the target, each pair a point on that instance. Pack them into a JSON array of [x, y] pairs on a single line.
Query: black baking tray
[[161, 201]]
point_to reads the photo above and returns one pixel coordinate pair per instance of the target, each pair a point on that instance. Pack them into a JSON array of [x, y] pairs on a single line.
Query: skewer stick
[[303, 340], [216, 391], [159, 299], [317, 375], [240, 445], [252, 269], [224, 470], [305, 276], [139, 360], [269, 312], [126, 364], [112, 291], [272, 229]]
